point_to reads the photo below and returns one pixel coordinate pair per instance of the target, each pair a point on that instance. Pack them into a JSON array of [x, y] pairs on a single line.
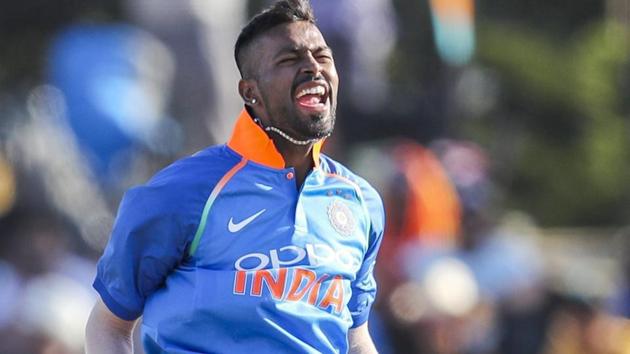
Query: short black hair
[[284, 11]]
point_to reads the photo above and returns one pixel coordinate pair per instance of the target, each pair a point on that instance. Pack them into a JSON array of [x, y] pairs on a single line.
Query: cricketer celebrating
[[259, 245]]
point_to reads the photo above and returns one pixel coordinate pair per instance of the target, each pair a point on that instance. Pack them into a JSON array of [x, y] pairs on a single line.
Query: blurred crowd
[[95, 98], [459, 274]]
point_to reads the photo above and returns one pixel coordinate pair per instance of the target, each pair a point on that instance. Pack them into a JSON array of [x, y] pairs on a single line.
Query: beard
[[300, 126], [319, 126]]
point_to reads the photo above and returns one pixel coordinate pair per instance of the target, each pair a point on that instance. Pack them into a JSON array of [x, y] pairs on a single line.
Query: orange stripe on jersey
[[213, 196]]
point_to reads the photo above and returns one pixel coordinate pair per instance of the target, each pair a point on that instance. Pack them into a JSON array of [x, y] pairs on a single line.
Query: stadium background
[[498, 133]]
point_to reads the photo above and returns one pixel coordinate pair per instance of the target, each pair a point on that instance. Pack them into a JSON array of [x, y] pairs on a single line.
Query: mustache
[[309, 78]]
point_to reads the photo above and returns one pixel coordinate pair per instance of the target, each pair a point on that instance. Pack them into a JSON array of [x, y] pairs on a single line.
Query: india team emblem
[[341, 218]]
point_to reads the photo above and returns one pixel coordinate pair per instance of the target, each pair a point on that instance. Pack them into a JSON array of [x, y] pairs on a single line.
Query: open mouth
[[312, 96]]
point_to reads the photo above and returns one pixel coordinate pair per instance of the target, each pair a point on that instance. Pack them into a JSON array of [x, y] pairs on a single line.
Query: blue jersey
[[221, 252]]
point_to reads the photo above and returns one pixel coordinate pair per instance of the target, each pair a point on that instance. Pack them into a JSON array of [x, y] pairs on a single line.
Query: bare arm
[[359, 340], [106, 332]]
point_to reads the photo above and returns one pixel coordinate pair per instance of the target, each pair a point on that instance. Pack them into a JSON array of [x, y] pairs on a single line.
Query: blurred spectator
[[579, 327], [422, 215], [506, 264], [46, 286], [115, 105], [201, 37], [421, 204], [452, 280]]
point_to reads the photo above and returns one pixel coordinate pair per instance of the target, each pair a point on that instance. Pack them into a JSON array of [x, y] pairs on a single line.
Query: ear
[[248, 91]]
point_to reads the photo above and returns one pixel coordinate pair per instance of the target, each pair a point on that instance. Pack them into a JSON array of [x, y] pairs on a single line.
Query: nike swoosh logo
[[236, 227], [263, 186]]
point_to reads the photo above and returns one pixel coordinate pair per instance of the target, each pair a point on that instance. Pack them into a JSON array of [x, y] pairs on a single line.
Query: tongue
[[310, 100]]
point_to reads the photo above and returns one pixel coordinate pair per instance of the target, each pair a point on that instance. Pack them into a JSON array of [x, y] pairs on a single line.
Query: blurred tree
[[573, 162], [555, 18]]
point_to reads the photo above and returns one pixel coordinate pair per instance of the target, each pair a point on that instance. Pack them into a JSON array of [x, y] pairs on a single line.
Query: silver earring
[[253, 101]]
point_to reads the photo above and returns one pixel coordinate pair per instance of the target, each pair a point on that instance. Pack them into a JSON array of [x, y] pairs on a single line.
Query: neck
[[296, 153]]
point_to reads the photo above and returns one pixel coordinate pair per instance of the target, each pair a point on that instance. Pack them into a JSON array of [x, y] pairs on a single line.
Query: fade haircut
[[281, 12]]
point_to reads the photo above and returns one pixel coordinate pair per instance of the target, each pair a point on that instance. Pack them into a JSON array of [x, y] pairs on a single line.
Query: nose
[[311, 65]]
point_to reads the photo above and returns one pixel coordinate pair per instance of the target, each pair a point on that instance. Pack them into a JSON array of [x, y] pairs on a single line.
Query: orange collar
[[251, 142]]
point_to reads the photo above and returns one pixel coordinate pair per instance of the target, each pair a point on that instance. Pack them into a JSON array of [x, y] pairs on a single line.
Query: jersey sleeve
[[147, 242], [364, 286]]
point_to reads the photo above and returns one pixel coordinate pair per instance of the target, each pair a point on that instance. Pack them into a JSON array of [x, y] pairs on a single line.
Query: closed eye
[[287, 60], [324, 58], [324, 53]]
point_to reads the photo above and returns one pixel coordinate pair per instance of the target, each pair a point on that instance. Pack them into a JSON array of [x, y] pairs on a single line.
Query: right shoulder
[[181, 189], [202, 167]]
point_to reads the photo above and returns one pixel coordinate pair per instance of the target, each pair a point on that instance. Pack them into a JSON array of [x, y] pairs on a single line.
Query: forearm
[[106, 333], [360, 342]]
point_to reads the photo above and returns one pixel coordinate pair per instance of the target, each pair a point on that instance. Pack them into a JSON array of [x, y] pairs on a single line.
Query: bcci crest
[[341, 218]]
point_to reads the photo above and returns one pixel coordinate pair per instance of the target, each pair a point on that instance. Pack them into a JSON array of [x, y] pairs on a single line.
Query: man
[[262, 244]]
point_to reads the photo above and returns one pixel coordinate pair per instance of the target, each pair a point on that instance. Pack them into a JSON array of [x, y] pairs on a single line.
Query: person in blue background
[[261, 244]]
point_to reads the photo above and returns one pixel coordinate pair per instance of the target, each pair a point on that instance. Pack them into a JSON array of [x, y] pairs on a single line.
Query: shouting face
[[292, 77]]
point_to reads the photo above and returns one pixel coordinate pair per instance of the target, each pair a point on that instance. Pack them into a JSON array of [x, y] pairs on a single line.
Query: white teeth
[[317, 90]]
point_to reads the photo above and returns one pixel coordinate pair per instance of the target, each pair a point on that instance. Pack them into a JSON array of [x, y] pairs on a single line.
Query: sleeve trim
[[113, 305], [360, 319], [206, 209]]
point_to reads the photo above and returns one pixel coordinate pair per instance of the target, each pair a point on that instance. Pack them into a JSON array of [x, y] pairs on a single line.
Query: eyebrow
[[298, 49]]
